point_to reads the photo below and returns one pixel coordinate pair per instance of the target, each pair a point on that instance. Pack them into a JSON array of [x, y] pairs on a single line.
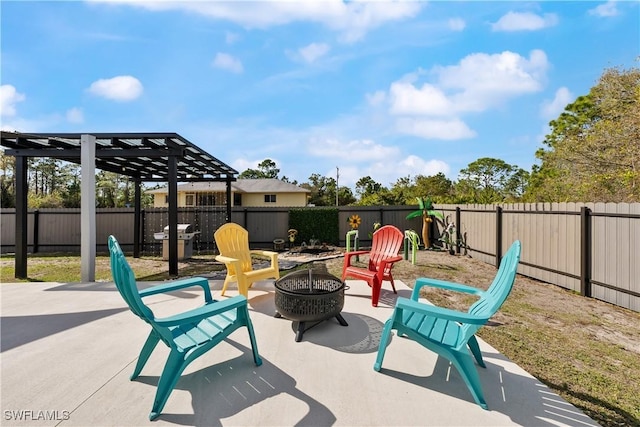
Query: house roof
[[140, 155], [240, 186]]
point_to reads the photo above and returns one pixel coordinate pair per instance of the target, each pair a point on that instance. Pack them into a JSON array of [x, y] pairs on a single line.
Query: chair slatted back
[[233, 242], [387, 241], [493, 298], [125, 281]]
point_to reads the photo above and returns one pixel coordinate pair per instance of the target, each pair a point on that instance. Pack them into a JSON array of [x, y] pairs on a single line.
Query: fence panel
[[550, 233]]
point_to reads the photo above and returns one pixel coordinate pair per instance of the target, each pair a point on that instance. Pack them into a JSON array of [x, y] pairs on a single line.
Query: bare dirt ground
[[623, 330]]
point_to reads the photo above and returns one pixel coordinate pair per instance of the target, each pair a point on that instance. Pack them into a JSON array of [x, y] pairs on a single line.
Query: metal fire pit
[[309, 296]]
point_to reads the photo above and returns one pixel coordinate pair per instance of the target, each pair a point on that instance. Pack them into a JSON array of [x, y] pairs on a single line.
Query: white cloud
[[451, 129], [75, 115], [524, 21], [9, 97], [224, 61], [363, 150], [120, 88], [484, 80], [351, 19], [418, 166], [406, 99], [605, 10], [552, 109], [457, 24], [480, 81], [314, 51]]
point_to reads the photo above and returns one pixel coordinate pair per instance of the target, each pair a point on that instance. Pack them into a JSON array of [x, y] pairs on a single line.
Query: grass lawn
[[586, 350]]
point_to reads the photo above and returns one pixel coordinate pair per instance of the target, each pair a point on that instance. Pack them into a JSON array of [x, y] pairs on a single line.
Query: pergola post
[[88, 208], [173, 215], [21, 218]]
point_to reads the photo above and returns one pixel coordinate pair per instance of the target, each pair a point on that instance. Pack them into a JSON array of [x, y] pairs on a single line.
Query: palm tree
[[426, 211]]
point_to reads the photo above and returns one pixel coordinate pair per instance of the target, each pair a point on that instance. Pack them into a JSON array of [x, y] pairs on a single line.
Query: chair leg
[[147, 349], [170, 374], [227, 279], [375, 291], [384, 342], [475, 350], [243, 286], [252, 337], [393, 285], [467, 369]]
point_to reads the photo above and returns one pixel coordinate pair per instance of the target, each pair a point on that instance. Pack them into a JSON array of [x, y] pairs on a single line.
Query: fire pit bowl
[[309, 296]]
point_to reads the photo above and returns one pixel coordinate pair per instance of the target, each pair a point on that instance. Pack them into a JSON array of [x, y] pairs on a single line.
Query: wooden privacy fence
[[591, 248]]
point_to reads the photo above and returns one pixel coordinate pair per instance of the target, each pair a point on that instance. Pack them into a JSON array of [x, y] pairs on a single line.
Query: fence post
[[498, 235], [36, 230], [143, 228], [458, 235], [585, 251]]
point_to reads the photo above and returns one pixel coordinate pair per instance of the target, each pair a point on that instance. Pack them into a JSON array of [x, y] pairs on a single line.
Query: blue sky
[[384, 89]]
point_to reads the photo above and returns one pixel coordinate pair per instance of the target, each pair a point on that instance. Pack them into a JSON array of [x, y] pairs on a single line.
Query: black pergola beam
[[146, 157]]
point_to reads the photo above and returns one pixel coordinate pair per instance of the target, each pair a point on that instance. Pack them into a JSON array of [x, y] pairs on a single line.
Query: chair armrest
[[226, 259], [349, 255], [392, 259], [175, 285], [352, 253], [442, 284], [208, 310], [439, 312], [268, 254], [273, 256]]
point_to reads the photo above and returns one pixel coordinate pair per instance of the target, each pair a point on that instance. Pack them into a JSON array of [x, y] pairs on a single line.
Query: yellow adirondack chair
[[233, 243]]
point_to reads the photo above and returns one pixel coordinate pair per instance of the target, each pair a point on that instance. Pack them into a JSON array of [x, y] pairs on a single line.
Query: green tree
[[323, 191], [366, 186], [437, 186], [489, 180], [593, 150], [7, 184], [266, 169], [402, 192], [371, 192]]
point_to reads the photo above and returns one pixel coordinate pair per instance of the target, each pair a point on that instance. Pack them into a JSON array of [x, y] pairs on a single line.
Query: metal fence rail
[[590, 248]]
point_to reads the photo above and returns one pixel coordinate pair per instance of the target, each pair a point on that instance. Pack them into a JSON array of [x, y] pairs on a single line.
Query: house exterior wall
[[248, 199], [282, 199]]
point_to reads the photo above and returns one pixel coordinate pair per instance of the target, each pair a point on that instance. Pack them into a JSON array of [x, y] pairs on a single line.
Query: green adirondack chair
[[451, 333], [189, 334]]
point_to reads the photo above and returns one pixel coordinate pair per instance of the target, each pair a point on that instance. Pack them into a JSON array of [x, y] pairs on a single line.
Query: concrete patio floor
[[67, 351]]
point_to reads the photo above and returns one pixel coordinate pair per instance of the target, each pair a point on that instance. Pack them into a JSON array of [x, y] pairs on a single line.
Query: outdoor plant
[[427, 211], [376, 225], [450, 237]]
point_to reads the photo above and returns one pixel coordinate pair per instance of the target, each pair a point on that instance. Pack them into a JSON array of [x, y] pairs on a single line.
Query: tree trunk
[[425, 231]]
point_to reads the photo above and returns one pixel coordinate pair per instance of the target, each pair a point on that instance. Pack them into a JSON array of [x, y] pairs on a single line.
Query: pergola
[[145, 157]]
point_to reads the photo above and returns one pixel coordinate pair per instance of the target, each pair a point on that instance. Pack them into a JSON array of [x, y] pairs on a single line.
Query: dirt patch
[[604, 321]]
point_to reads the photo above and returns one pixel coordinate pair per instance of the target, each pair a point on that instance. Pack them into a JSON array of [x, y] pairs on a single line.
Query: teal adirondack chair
[[451, 333], [189, 334]]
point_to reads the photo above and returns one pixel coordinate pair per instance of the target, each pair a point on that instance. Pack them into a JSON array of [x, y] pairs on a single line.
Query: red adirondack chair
[[385, 246]]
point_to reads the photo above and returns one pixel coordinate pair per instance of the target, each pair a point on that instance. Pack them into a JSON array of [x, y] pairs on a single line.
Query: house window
[[237, 199], [190, 200], [269, 198], [206, 199]]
